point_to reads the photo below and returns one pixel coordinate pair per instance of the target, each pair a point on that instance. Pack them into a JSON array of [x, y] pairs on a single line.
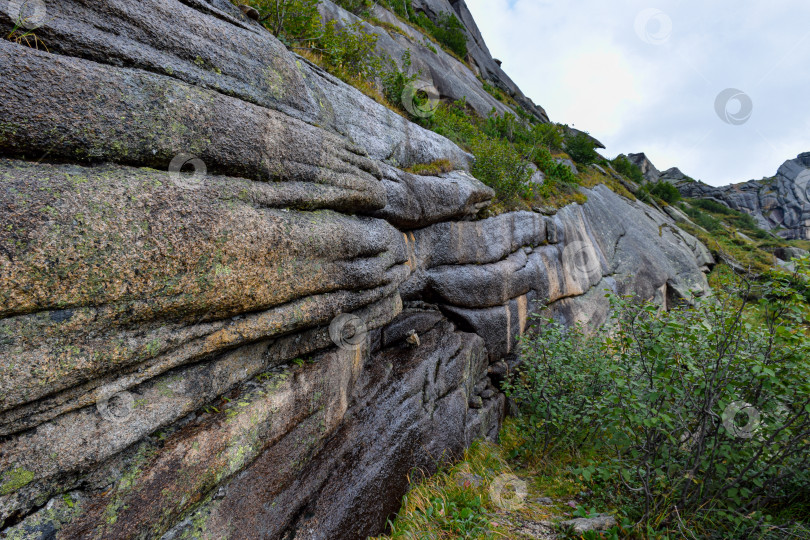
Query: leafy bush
[[504, 147], [447, 30], [628, 168], [395, 80], [520, 131], [497, 93], [554, 171], [582, 149], [701, 218], [452, 34], [733, 217], [499, 165], [698, 208], [664, 191], [550, 135], [358, 7], [350, 50], [700, 415], [290, 20], [559, 386], [712, 206]]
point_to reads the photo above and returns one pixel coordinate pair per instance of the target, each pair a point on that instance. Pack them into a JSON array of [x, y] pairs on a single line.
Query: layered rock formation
[[780, 204], [268, 347]]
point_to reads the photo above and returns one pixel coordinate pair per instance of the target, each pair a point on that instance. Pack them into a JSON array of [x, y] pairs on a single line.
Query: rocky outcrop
[[651, 174], [488, 67], [780, 204], [225, 309], [444, 74]]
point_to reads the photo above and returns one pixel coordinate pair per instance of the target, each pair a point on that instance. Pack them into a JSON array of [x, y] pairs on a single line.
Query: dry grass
[[591, 178], [440, 166], [369, 88]]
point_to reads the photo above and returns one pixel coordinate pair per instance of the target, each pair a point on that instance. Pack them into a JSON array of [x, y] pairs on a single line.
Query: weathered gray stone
[[89, 112], [451, 78], [386, 433], [416, 201], [207, 44], [488, 285], [651, 174], [198, 308], [384, 134], [602, 522], [780, 204]]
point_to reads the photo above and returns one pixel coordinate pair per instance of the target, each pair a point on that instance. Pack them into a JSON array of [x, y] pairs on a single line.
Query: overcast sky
[[645, 77]]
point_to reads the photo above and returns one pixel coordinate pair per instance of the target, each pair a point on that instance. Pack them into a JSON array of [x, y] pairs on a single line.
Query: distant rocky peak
[[674, 176], [650, 172]]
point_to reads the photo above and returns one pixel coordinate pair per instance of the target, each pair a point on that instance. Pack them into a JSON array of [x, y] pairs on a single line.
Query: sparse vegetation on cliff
[[508, 149], [627, 168]]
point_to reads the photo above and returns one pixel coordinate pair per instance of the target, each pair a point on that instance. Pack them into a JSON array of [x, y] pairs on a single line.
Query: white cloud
[[587, 66]]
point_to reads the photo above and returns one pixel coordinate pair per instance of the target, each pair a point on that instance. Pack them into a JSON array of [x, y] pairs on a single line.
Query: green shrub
[[520, 131], [628, 168], [504, 147], [664, 191], [699, 416], [735, 218], [290, 20], [499, 94], [357, 7], [447, 30], [452, 34], [712, 206], [558, 388], [350, 50], [701, 218], [499, 165], [505, 126], [400, 7], [555, 172], [396, 79], [455, 122], [582, 149], [550, 135]]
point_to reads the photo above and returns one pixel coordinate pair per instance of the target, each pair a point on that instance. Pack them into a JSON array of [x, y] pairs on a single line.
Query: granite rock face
[[640, 160], [449, 78], [780, 204], [225, 309]]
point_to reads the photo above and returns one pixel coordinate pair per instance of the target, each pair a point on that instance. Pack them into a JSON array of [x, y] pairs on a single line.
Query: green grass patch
[[440, 166]]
